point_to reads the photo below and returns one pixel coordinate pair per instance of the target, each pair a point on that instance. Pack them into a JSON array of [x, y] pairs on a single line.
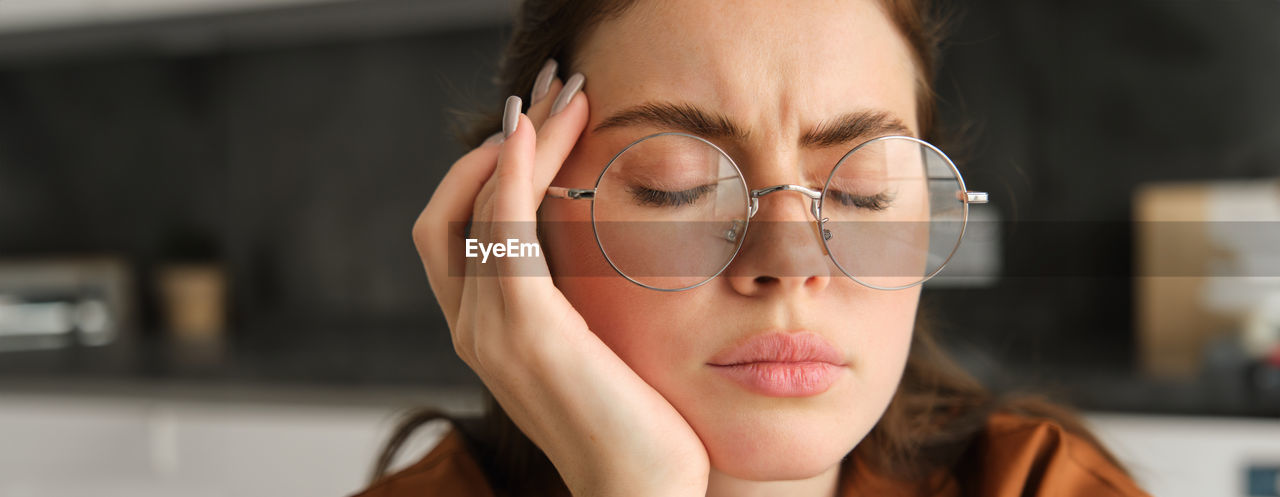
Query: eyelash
[[877, 202], [661, 198]]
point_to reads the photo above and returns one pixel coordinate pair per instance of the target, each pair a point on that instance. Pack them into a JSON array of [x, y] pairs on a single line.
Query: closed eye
[[663, 198], [877, 202]]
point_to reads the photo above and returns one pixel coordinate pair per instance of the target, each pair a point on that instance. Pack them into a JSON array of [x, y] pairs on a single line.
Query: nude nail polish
[[510, 116], [571, 88], [542, 84]]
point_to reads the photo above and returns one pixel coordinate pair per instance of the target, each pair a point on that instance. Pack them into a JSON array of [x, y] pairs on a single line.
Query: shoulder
[[1019, 455], [449, 469]]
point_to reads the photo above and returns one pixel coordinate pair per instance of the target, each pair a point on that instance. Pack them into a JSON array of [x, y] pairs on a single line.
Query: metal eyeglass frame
[[815, 197]]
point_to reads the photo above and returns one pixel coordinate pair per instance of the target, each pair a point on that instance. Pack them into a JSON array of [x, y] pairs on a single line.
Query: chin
[[778, 445]]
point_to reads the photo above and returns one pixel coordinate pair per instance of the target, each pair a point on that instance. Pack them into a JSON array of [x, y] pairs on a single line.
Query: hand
[[606, 431]]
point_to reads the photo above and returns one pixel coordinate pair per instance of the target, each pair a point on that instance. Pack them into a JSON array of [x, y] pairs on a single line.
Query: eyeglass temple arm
[[570, 193], [973, 197]]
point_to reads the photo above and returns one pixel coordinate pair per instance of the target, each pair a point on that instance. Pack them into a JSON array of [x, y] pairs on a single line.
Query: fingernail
[[542, 84], [494, 138], [510, 116], [570, 89]]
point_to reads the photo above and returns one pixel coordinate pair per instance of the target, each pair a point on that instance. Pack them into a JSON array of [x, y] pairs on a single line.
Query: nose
[[782, 251]]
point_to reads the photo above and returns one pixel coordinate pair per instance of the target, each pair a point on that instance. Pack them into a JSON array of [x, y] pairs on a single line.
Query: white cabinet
[[54, 446], [1184, 456]]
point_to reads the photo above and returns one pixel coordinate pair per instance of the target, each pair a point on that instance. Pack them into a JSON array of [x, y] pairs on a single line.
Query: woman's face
[[776, 72]]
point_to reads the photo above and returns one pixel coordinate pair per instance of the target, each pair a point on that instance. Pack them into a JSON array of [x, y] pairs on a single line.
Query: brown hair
[[937, 409]]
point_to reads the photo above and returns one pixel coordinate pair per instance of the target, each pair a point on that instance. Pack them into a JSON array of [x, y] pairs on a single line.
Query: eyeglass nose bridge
[[814, 197]]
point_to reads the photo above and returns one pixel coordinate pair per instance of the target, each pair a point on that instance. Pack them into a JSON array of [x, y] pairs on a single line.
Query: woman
[[781, 372]]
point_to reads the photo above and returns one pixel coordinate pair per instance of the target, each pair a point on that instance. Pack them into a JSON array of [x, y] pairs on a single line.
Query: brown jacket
[[1016, 457]]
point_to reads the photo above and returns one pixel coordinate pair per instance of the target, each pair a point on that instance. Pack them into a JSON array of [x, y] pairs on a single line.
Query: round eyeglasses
[[670, 211]]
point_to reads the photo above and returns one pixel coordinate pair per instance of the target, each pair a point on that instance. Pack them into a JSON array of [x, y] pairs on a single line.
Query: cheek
[[886, 345], [649, 330], [631, 320], [888, 339], [881, 345]]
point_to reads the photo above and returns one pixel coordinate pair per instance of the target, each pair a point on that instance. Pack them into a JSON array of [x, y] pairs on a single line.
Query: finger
[[488, 315], [441, 224], [515, 203], [541, 109], [558, 136], [513, 198], [542, 81], [545, 87], [481, 298]]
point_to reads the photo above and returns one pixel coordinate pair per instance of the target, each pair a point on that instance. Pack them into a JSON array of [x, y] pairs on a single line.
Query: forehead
[[772, 66]]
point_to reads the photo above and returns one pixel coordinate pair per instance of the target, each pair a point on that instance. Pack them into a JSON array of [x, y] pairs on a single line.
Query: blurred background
[[207, 284]]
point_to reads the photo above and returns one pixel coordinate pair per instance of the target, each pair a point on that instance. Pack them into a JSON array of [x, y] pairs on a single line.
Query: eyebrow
[[689, 118], [853, 125]]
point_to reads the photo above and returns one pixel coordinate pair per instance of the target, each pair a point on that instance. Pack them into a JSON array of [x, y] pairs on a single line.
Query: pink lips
[[782, 364]]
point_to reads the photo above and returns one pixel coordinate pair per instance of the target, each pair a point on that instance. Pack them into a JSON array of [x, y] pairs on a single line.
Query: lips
[[780, 347], [781, 364]]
